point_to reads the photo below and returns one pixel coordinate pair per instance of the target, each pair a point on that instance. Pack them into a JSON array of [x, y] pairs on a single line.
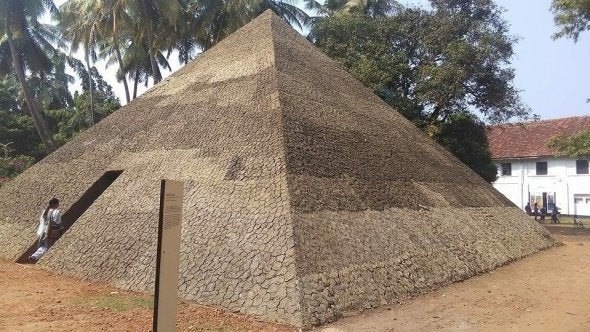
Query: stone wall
[[389, 255]]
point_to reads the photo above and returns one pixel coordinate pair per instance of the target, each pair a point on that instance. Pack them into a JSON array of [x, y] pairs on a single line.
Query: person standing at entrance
[[536, 211], [527, 209], [49, 224], [555, 215], [542, 214]]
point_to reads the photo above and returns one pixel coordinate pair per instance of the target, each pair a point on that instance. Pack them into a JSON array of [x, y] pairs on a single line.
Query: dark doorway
[[76, 210]]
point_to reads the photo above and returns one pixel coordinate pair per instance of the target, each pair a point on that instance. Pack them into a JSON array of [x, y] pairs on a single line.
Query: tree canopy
[[574, 146], [430, 64], [572, 17], [26, 45], [20, 147]]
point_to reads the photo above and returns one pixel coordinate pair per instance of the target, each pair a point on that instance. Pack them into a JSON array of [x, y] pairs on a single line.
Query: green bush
[[13, 166]]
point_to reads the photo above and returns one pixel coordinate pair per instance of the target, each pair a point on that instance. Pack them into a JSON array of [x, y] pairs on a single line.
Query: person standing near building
[[536, 211], [49, 222], [555, 216], [527, 209]]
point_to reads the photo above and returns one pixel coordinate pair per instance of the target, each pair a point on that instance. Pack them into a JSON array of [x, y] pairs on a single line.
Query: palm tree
[[79, 23], [188, 33], [156, 19], [27, 43], [116, 24], [137, 64], [52, 90], [371, 8]]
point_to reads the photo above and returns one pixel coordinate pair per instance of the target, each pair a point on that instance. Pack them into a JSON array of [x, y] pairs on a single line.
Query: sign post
[[167, 260]]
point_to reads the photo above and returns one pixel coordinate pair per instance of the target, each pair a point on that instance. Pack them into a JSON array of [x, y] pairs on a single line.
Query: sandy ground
[[32, 299], [547, 291]]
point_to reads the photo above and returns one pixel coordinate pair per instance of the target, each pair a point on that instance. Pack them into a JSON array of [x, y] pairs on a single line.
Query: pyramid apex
[[270, 15], [267, 14]]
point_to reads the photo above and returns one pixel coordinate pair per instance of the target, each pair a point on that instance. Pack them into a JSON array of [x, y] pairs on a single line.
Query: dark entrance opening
[[76, 210]]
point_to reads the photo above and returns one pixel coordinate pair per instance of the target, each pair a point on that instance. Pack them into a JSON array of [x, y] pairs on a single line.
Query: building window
[[541, 168], [581, 166], [506, 169]]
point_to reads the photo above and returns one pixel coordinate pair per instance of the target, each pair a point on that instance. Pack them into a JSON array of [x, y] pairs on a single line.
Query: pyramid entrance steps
[[75, 211]]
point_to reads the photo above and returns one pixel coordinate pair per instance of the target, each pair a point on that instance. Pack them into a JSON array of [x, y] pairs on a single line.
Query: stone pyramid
[[306, 196]]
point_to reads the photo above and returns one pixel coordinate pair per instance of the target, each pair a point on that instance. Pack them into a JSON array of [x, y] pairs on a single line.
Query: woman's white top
[[53, 215]]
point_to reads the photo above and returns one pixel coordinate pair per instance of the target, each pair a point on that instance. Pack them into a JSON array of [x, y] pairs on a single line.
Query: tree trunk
[[120, 59], [155, 70], [38, 120], [151, 47], [90, 88], [135, 84]]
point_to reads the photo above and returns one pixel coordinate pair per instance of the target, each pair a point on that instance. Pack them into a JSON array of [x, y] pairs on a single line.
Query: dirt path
[[32, 299], [549, 291]]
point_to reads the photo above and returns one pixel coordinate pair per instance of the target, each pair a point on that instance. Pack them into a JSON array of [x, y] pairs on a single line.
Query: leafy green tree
[[11, 166], [26, 45], [429, 64], [465, 136], [18, 141], [10, 97], [572, 17], [17, 131], [371, 8], [68, 122], [574, 146]]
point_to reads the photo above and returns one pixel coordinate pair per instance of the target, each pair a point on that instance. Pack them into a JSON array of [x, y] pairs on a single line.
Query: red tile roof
[[529, 140]]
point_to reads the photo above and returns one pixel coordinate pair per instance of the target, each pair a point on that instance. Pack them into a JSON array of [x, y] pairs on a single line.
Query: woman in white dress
[[49, 221]]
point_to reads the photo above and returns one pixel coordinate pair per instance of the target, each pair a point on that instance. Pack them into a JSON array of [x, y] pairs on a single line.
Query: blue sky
[[554, 76]]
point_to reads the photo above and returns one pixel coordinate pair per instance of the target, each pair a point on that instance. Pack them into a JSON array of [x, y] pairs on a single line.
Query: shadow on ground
[[569, 230]]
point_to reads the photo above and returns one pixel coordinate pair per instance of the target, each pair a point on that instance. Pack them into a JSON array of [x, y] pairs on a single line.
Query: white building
[[528, 171]]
